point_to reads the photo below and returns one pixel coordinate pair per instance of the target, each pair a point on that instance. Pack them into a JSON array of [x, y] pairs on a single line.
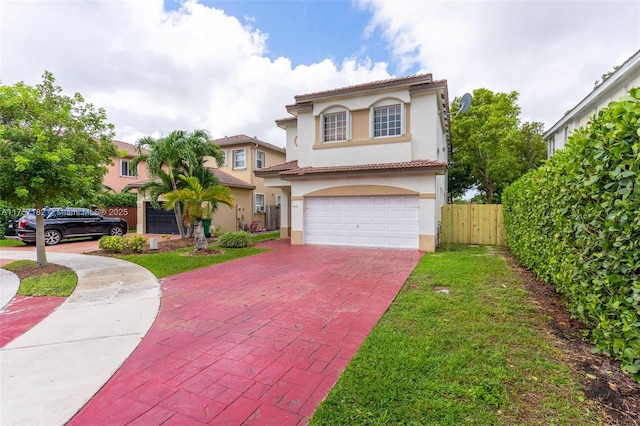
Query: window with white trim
[[335, 126], [261, 159], [259, 202], [387, 120], [240, 159], [224, 158], [126, 169]]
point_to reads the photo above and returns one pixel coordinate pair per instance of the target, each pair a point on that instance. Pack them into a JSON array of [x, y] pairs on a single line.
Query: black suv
[[68, 222]]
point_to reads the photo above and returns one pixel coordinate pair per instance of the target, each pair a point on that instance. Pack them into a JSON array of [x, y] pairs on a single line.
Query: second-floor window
[[261, 159], [387, 121], [224, 158], [334, 127], [240, 159], [126, 169]]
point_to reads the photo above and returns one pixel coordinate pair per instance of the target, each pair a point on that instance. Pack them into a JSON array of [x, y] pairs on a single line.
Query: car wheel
[[52, 237], [116, 231]]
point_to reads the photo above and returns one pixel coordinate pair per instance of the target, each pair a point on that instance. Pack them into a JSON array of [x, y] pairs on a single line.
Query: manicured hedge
[[122, 244], [575, 221]]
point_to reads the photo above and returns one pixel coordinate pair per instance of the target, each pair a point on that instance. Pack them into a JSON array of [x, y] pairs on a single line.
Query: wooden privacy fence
[[472, 224], [130, 214]]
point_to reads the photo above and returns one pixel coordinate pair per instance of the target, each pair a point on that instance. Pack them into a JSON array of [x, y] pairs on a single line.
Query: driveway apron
[[259, 340]]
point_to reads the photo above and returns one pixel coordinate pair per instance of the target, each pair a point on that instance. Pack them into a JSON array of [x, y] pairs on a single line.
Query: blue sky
[[305, 31], [230, 67]]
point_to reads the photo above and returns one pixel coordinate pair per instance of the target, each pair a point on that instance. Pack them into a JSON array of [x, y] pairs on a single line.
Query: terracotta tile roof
[[291, 169], [420, 78], [277, 168], [138, 183], [429, 85], [244, 139], [224, 178], [231, 181], [130, 148], [286, 120]]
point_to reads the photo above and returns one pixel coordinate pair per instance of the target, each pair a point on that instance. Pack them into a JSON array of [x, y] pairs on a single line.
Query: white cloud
[[551, 52], [156, 71]]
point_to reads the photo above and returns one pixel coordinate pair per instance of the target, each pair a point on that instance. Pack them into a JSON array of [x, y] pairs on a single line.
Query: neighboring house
[[252, 200], [153, 221], [121, 174], [243, 155], [618, 84], [366, 165]]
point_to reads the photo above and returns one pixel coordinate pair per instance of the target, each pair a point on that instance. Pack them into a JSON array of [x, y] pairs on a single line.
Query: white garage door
[[390, 222]]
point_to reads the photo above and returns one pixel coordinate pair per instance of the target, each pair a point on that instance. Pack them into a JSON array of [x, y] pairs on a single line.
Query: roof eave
[[368, 173]]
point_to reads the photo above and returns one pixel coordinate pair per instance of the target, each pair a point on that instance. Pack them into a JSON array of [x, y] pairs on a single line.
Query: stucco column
[[427, 223], [285, 214], [297, 219], [140, 215]]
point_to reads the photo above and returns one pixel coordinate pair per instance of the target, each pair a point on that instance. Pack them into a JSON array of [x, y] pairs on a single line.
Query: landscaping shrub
[[236, 239], [126, 245], [575, 221]]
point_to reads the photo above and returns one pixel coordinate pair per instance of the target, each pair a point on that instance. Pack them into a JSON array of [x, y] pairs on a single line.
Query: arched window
[[335, 125], [387, 118]]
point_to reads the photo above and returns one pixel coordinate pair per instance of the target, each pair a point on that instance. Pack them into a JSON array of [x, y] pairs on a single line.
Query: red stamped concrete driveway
[[256, 341]]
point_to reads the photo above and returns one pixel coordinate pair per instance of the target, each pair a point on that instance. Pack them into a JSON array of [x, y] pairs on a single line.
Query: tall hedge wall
[[575, 221]]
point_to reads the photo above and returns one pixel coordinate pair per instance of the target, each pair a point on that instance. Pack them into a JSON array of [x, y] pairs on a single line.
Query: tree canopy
[[491, 147], [52, 147], [178, 154], [193, 197]]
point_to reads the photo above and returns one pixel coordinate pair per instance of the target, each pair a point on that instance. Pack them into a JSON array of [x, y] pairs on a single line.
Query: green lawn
[[476, 356], [175, 262], [11, 243]]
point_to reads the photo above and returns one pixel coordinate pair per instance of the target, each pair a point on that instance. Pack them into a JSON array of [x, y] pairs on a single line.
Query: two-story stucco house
[[243, 155], [120, 173], [366, 165], [618, 84]]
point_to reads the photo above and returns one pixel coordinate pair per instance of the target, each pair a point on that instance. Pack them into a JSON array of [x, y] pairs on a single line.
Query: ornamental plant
[[236, 239], [575, 221], [124, 245]]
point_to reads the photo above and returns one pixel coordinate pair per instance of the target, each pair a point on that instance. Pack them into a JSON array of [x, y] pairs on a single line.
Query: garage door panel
[[160, 221], [362, 221]]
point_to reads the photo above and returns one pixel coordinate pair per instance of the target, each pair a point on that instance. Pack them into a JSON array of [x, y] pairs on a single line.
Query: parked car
[[68, 222], [10, 227]]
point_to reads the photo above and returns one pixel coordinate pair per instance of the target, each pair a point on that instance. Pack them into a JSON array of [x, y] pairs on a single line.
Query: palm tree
[[180, 153], [193, 196]]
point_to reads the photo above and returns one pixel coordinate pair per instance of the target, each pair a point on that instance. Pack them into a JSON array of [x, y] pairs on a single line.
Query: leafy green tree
[[52, 147], [180, 153], [491, 148], [194, 198]]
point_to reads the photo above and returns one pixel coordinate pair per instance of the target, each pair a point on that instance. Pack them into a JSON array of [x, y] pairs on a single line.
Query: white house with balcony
[[366, 165], [618, 84]]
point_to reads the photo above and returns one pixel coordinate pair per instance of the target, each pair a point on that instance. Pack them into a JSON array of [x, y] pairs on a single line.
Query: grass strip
[[178, 261], [477, 355], [52, 281], [11, 243]]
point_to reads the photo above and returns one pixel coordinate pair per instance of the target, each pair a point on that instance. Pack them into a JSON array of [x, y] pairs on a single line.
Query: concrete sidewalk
[[10, 284], [52, 370]]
